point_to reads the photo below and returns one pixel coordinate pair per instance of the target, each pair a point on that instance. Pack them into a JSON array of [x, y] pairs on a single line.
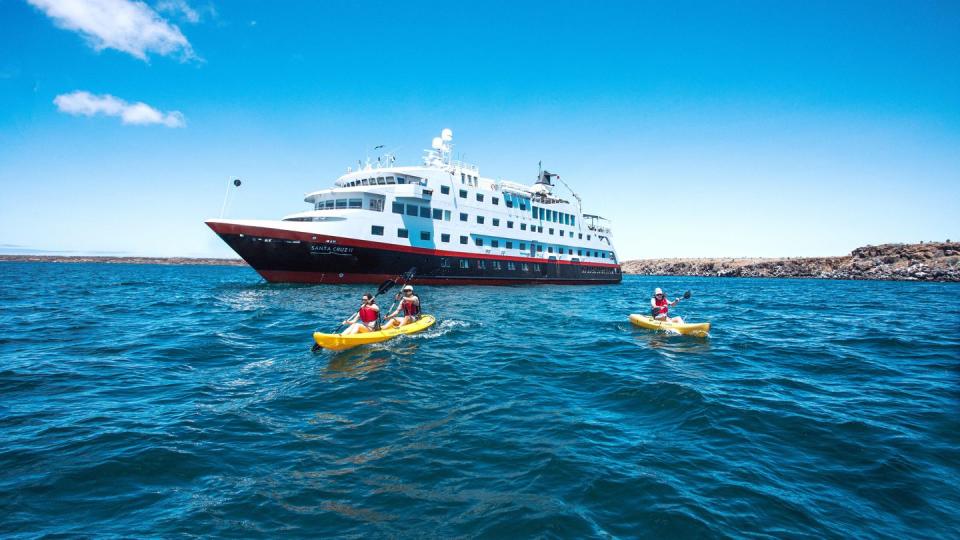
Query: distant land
[[934, 261], [181, 261]]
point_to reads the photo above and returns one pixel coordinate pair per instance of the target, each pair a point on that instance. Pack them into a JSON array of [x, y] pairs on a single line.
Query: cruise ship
[[442, 218]]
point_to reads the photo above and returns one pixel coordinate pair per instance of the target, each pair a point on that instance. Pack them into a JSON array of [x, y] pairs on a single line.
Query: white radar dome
[[446, 134], [437, 143]]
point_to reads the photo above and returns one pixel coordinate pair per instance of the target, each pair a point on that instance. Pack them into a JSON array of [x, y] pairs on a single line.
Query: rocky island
[[122, 260], [934, 261]]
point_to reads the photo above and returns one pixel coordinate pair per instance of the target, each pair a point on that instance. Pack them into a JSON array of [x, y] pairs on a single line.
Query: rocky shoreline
[[934, 261], [178, 261]]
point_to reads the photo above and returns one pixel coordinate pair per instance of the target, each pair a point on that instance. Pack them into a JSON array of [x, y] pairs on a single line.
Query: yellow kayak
[[687, 329], [340, 342]]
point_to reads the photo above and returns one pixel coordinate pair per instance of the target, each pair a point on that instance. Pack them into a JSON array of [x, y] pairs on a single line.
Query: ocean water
[[184, 401]]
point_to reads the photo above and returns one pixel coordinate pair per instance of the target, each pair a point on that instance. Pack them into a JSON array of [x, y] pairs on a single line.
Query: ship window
[[355, 203], [381, 181], [523, 246], [580, 252], [539, 248], [524, 267], [341, 203], [509, 224], [496, 222], [540, 229], [481, 264], [580, 236], [463, 180], [365, 182], [479, 197], [437, 213], [397, 208], [376, 205], [573, 221], [478, 241], [549, 249], [401, 180], [523, 204], [536, 268], [446, 215], [391, 180], [445, 238], [523, 226], [464, 263], [511, 266], [508, 202], [588, 237], [445, 190], [328, 203], [480, 220], [595, 254], [463, 194], [463, 239], [425, 235], [376, 230], [412, 210], [550, 231], [403, 233], [571, 234], [496, 265], [494, 243], [495, 200], [425, 211], [463, 216]]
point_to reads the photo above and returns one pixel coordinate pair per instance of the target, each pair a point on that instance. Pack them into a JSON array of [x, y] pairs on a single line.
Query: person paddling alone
[[366, 319], [409, 305], [659, 305]]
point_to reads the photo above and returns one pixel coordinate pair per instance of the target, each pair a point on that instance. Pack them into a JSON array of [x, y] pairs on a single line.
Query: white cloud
[[179, 7], [126, 25], [139, 113]]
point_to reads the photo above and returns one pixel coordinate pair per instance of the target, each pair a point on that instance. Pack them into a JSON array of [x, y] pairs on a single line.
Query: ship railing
[[465, 166]]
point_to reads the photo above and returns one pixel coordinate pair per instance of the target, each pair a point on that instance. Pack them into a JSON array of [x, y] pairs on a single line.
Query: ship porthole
[[341, 275]]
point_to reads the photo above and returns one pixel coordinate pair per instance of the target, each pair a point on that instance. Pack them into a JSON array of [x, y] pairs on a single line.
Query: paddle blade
[[386, 286], [408, 275], [686, 295]]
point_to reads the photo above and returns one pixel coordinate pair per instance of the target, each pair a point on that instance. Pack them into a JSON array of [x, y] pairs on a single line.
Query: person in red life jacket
[[660, 305], [366, 319], [409, 305]]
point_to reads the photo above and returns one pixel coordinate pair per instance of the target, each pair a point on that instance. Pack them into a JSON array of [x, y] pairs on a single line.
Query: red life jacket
[[662, 303], [410, 308], [368, 314]]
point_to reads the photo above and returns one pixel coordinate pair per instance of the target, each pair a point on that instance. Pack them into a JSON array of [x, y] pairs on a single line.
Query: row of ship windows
[[538, 212], [384, 180], [523, 267], [377, 230], [375, 204], [508, 200], [436, 213]]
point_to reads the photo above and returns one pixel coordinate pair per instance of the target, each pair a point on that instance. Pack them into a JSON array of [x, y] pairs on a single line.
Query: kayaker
[[659, 305], [365, 319], [409, 305]]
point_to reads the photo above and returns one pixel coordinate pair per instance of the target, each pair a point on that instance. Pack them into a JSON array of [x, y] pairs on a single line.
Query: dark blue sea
[[153, 401]]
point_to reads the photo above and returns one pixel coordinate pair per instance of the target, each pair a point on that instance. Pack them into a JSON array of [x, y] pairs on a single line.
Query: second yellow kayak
[[340, 342], [687, 329]]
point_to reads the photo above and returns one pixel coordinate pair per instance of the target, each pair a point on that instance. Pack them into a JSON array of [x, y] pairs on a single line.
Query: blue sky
[[700, 128]]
